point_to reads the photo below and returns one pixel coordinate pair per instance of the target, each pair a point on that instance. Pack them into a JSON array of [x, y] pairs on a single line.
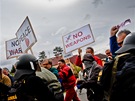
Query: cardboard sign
[[67, 55], [26, 36], [78, 38], [13, 48]]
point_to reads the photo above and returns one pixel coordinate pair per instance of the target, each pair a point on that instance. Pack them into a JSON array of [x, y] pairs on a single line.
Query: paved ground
[[82, 96]]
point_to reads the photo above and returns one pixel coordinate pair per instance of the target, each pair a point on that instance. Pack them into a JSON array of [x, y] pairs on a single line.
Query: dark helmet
[[26, 64], [128, 44], [88, 57]]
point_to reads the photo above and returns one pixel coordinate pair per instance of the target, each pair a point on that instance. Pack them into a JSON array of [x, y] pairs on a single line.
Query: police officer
[[124, 85], [29, 86]]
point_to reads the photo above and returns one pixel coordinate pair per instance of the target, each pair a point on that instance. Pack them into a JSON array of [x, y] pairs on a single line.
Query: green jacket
[[51, 79]]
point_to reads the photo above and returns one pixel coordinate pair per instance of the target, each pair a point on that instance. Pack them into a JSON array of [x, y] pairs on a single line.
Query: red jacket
[[68, 78], [78, 61], [98, 60]]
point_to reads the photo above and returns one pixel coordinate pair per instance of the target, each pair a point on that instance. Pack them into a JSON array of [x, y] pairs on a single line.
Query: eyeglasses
[[45, 64]]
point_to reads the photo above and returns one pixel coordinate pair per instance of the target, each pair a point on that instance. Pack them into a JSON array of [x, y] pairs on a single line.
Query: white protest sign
[[78, 38], [13, 48], [67, 55], [26, 36]]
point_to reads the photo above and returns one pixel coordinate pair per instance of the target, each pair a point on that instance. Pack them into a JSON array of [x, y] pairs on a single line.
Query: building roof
[[101, 56], [73, 59], [56, 59]]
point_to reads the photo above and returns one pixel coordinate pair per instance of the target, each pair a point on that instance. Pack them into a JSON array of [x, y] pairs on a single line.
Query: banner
[[13, 48], [78, 38], [68, 55], [26, 36]]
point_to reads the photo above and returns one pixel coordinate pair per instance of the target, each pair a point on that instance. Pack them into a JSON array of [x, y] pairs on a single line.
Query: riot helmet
[[128, 44], [26, 64]]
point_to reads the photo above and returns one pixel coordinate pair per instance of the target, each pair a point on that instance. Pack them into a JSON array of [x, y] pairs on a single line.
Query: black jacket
[[33, 87], [124, 86], [94, 92]]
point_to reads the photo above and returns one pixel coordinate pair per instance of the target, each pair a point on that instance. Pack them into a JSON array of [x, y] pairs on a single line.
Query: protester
[[109, 55], [52, 82], [78, 61], [122, 80], [116, 41], [5, 84], [91, 51], [68, 81], [97, 59], [56, 82], [46, 63], [75, 69], [4, 79], [92, 70], [6, 72], [124, 88], [80, 79], [29, 86]]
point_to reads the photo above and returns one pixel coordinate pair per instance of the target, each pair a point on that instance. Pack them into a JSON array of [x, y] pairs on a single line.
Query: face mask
[[88, 64]]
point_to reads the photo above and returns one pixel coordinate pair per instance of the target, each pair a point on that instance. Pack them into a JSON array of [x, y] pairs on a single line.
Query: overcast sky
[[51, 19]]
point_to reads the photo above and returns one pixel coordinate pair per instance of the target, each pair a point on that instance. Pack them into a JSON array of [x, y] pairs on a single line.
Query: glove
[[80, 82], [81, 86], [78, 86]]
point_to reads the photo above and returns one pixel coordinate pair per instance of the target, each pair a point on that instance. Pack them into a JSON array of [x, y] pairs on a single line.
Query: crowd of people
[[113, 80]]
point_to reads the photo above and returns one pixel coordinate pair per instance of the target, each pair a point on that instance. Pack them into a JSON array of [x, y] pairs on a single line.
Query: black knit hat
[[88, 57]]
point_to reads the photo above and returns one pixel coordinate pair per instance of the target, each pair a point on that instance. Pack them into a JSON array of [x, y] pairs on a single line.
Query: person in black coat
[[91, 73], [30, 87]]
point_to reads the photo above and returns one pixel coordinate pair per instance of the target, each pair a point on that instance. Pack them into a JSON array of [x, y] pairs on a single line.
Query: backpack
[[124, 85], [106, 75], [31, 88], [109, 73]]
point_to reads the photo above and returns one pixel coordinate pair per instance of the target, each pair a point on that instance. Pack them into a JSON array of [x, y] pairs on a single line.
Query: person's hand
[[81, 86], [80, 82], [110, 57], [114, 30], [79, 51]]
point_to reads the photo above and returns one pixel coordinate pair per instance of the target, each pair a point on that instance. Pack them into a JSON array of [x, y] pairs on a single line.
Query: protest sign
[[26, 35], [67, 55], [78, 38], [13, 48]]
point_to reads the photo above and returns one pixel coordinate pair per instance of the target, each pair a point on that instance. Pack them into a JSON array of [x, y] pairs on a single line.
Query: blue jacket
[[113, 45]]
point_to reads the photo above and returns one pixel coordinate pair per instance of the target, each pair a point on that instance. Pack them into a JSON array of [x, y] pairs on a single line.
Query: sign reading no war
[[78, 38], [13, 48]]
